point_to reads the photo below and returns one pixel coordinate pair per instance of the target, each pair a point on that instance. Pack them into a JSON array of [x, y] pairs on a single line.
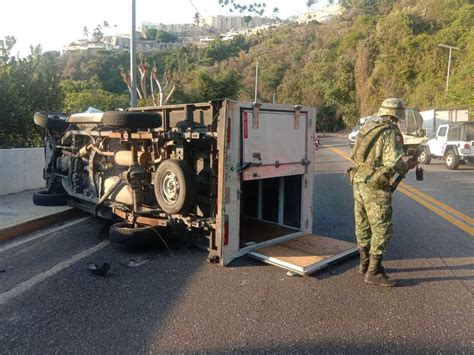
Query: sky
[[56, 23]]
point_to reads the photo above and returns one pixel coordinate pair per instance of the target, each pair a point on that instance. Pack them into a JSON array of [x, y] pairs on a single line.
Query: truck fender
[[451, 147], [427, 147]]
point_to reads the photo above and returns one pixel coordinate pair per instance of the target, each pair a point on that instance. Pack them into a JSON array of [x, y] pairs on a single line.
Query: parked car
[[453, 142], [353, 135]]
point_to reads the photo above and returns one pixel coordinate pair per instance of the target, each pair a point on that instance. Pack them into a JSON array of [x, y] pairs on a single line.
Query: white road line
[[25, 286], [42, 234]]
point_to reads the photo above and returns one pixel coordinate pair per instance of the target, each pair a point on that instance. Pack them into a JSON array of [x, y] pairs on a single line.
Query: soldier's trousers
[[373, 217]]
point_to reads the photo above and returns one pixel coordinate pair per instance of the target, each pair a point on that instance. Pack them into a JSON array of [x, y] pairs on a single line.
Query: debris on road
[[138, 262], [101, 270]]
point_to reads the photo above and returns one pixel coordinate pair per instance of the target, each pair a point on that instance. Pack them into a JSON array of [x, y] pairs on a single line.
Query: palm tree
[[310, 3], [275, 12]]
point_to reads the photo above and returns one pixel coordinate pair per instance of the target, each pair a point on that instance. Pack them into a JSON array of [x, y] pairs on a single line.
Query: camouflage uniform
[[377, 153], [372, 194]]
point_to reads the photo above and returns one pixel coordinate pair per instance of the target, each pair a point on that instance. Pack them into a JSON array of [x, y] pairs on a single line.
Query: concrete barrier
[[21, 169]]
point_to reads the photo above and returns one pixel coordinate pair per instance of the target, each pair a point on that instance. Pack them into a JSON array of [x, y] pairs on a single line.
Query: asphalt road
[[154, 301]]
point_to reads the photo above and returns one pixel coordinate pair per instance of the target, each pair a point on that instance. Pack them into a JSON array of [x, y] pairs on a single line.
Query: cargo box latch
[[297, 116], [256, 112]]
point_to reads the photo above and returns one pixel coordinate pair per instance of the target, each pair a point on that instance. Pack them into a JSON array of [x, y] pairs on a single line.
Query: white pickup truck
[[453, 142]]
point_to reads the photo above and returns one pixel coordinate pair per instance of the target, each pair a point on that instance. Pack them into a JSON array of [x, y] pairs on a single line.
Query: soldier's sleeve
[[393, 153]]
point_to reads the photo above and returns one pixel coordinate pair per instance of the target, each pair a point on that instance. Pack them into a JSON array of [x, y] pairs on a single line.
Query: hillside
[[347, 66]]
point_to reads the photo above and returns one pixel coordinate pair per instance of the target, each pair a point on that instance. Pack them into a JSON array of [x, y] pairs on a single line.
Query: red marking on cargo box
[[226, 233], [228, 129], [246, 125]]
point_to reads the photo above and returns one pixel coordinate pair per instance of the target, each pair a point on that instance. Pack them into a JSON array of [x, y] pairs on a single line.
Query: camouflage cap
[[394, 107]]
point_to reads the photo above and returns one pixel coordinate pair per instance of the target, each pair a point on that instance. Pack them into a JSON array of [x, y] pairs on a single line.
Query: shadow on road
[[422, 280], [469, 267]]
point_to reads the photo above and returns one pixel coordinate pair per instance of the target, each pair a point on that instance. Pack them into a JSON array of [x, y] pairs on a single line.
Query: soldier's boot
[[375, 274], [364, 260]]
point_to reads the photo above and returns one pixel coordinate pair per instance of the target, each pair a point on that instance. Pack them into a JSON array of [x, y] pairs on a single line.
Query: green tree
[[257, 8], [206, 86], [104, 65], [273, 77], [6, 46], [247, 20], [310, 3], [27, 85], [79, 95], [151, 33], [97, 34], [219, 50], [165, 37]]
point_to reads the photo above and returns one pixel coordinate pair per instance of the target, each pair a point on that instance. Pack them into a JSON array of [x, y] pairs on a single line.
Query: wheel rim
[[449, 160], [423, 156], [170, 187]]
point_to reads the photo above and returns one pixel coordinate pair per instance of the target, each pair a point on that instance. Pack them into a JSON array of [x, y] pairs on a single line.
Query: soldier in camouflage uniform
[[377, 154]]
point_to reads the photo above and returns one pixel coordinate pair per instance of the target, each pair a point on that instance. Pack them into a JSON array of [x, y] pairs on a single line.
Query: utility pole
[[449, 62], [256, 73], [133, 60]]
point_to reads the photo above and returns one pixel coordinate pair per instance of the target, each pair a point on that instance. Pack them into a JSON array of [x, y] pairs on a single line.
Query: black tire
[[52, 120], [452, 160], [134, 120], [43, 198], [124, 233], [175, 188], [425, 157]]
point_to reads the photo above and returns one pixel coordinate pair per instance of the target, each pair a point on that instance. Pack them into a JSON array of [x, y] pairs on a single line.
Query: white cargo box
[[265, 188]]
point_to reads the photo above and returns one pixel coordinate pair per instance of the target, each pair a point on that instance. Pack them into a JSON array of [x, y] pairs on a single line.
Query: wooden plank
[[253, 230], [305, 251]]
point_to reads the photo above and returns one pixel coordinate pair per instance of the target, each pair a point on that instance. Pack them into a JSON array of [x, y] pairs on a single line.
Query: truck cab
[[454, 143]]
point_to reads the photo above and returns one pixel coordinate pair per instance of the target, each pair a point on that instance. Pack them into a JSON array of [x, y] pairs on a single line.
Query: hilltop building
[[228, 23], [210, 28], [209, 25], [90, 47], [179, 30], [322, 14]]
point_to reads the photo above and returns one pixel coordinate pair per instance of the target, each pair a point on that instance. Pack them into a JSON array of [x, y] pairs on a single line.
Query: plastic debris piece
[[101, 270], [138, 262]]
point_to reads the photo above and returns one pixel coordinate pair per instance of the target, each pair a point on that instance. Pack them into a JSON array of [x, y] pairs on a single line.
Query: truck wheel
[[452, 160], [135, 120], [124, 233], [425, 157], [51, 120], [175, 188], [43, 198]]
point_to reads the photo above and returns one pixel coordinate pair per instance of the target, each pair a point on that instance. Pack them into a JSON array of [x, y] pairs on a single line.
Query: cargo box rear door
[[275, 142], [305, 254]]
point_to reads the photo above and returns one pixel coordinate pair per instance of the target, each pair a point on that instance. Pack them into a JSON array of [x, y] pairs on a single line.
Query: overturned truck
[[235, 177]]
